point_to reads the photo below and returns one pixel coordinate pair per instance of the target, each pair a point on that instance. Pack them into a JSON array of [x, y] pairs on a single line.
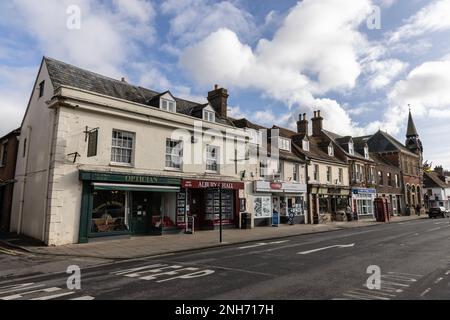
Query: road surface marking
[[163, 272], [20, 295], [84, 298], [261, 244], [55, 296], [435, 229], [447, 273], [406, 274], [19, 287], [438, 280], [365, 296], [425, 292], [326, 248]]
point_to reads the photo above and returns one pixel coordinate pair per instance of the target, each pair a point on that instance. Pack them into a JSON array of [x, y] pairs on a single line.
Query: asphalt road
[[413, 259]]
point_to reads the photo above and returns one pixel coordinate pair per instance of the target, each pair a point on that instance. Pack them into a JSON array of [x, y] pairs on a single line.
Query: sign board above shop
[[127, 178], [282, 187], [364, 191], [204, 184]]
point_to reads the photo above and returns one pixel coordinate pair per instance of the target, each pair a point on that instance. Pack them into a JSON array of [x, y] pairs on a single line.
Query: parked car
[[438, 212]]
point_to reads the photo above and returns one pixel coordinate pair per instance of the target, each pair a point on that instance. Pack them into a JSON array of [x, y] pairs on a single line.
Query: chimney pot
[[317, 124], [218, 98], [216, 87]]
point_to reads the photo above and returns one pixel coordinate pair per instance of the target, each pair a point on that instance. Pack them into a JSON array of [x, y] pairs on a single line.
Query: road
[[413, 258]]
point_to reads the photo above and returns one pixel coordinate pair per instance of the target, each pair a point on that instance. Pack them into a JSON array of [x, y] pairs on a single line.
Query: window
[[92, 143], [358, 175], [295, 175], [380, 178], [255, 136], [284, 144], [341, 176], [329, 174], [366, 152], [262, 169], [209, 116], [167, 105], [212, 156], [330, 151], [109, 212], [389, 179], [24, 150], [371, 175], [41, 89], [122, 147], [174, 154], [305, 145], [397, 181], [316, 172], [351, 148], [4, 154]]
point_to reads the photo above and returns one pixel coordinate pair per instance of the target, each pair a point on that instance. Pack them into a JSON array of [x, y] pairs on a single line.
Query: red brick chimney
[[302, 124], [218, 98], [317, 124]]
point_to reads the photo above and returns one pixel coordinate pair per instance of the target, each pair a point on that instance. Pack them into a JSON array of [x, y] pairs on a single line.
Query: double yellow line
[[8, 252]]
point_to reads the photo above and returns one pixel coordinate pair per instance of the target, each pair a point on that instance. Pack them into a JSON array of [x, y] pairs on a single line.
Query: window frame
[[41, 88], [331, 150], [305, 145], [4, 154], [217, 155], [341, 176], [284, 144], [209, 116], [329, 174], [316, 172], [169, 103], [351, 148], [116, 147], [296, 173], [172, 154]]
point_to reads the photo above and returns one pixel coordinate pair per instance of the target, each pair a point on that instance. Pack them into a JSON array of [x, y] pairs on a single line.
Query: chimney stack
[[317, 124], [302, 125], [218, 98]]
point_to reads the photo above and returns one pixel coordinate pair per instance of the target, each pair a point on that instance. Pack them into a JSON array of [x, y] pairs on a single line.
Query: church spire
[[412, 131]]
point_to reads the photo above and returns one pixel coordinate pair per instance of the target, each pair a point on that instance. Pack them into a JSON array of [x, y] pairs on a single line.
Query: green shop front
[[116, 204]]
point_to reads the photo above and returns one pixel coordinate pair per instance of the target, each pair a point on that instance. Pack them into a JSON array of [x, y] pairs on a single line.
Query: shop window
[[108, 212], [324, 205], [212, 157], [174, 154], [122, 147], [263, 207], [213, 206]]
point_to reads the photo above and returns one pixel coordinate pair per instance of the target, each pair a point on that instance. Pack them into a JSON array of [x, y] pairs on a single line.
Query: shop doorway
[[145, 217]]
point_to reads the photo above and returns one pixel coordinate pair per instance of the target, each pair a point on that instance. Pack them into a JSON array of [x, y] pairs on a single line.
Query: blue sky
[[277, 58]]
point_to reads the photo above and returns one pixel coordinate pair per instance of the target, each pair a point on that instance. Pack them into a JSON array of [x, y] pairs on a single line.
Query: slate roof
[[432, 180], [384, 142], [412, 131], [63, 74], [343, 143], [381, 161]]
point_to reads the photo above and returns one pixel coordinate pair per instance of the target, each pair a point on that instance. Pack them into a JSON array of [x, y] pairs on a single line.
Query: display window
[[108, 213]]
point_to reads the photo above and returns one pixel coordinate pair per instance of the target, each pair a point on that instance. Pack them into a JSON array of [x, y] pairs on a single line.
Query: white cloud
[[316, 50], [431, 18], [191, 20], [383, 72]]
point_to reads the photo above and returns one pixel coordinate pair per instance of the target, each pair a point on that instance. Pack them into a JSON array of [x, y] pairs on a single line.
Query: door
[[140, 213]]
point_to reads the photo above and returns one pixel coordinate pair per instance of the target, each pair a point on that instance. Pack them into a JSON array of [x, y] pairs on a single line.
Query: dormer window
[[366, 152], [351, 148], [284, 144], [331, 150], [209, 115], [305, 145], [168, 105]]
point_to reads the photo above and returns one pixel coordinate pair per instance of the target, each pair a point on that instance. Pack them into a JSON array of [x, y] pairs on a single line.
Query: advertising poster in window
[[263, 207]]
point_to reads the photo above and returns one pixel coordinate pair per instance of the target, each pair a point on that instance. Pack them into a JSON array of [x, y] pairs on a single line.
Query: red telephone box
[[382, 210]]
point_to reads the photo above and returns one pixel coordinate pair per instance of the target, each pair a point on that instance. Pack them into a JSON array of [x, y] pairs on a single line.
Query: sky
[[361, 62]]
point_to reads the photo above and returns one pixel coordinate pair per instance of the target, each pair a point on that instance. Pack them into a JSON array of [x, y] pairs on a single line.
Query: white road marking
[[84, 298], [435, 229], [261, 244], [438, 280], [163, 272], [326, 248], [425, 292], [19, 296], [447, 273], [19, 287], [55, 296]]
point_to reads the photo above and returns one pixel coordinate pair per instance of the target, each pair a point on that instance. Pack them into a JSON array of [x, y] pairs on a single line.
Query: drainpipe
[[22, 200]]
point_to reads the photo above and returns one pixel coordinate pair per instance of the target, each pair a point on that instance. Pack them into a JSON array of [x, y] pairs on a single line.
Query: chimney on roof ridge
[[218, 98], [123, 80], [317, 124], [302, 125]]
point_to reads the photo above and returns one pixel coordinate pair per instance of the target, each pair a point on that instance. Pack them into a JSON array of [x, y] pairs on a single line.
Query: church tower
[[413, 142]]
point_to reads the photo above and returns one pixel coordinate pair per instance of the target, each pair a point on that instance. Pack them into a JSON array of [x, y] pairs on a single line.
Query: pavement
[[409, 259], [146, 246]]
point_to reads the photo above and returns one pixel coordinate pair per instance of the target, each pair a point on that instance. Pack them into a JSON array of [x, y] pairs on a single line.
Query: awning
[[134, 187]]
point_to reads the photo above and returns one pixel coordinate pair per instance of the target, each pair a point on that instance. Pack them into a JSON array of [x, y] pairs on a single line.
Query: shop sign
[[202, 184], [364, 191], [127, 178], [265, 186]]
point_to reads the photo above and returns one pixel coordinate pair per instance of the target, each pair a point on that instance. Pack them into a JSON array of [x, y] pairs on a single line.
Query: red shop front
[[204, 200]]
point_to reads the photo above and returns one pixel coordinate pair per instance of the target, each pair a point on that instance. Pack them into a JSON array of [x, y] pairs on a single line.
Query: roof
[[245, 123], [431, 179], [384, 142], [63, 74], [15, 132], [379, 160], [412, 131], [343, 143]]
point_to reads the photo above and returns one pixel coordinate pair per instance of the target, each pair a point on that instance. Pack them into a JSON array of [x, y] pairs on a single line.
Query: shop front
[[328, 204], [363, 202], [209, 203], [288, 200], [115, 204]]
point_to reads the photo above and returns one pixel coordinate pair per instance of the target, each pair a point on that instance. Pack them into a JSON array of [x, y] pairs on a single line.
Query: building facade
[[8, 156], [436, 189], [104, 158]]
